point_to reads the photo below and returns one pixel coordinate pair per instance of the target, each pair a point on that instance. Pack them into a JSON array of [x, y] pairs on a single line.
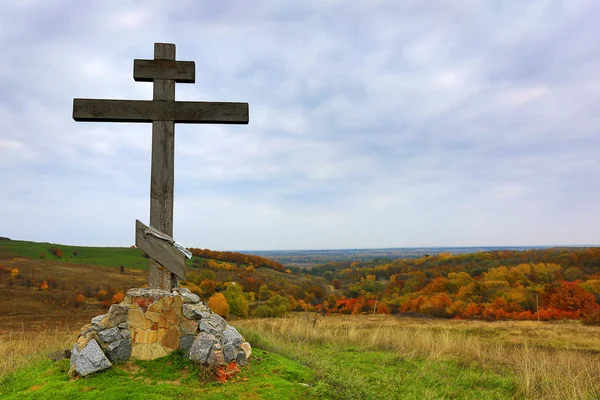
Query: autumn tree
[[208, 287], [238, 305], [569, 296], [218, 304]]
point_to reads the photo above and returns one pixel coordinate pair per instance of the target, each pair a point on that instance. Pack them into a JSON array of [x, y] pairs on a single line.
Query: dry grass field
[[24, 306], [550, 360]]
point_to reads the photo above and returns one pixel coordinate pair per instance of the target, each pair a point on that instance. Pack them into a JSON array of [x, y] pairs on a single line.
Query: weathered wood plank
[[159, 250], [191, 112], [162, 174], [164, 51], [178, 71]]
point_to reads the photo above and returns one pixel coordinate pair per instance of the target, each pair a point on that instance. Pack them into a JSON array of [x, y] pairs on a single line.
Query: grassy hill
[[95, 273], [101, 256]]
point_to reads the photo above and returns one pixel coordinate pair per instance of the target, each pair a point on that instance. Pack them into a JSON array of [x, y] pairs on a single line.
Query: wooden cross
[[163, 111]]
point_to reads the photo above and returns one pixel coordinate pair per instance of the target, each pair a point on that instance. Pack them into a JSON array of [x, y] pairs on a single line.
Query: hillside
[[552, 283], [545, 284], [61, 283]]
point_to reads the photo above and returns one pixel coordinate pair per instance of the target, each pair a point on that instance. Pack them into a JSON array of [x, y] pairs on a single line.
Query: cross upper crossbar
[[179, 71]]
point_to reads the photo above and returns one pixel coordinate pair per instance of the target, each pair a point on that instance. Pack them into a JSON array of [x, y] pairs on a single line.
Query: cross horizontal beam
[[179, 71], [191, 112]]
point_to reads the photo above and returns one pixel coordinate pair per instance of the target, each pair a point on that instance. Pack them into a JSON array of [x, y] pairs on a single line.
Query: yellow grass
[[551, 361], [19, 348]]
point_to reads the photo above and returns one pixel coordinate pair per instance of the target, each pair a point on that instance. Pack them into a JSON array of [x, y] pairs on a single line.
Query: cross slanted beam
[[163, 112]]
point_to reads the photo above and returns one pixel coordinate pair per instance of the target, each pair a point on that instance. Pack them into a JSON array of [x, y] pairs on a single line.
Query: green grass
[[268, 376], [103, 256], [346, 372]]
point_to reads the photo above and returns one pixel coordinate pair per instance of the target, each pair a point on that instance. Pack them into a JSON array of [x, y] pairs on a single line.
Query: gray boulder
[[232, 336], [214, 324], [244, 353], [119, 351], [229, 352], [190, 298], [201, 347], [186, 342], [109, 335], [195, 311], [89, 360], [116, 315], [96, 322]]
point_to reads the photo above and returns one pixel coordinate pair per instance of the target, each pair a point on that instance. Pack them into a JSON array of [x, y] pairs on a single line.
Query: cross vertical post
[[162, 175]]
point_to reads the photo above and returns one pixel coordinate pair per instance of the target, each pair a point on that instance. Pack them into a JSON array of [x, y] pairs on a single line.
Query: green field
[[102, 256], [324, 370], [269, 376]]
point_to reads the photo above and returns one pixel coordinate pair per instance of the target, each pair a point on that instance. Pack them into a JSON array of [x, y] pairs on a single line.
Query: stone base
[[152, 323]]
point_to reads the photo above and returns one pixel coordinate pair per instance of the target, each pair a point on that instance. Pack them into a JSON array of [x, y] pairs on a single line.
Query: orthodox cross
[[163, 111]]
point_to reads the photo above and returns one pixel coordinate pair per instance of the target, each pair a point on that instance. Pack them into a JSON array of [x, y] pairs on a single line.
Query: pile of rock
[[151, 323]]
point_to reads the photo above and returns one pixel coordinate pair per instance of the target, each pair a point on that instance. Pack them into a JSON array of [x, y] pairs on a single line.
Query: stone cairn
[[152, 323]]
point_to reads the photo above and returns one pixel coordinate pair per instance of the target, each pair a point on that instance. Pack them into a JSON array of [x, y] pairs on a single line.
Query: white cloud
[[371, 123]]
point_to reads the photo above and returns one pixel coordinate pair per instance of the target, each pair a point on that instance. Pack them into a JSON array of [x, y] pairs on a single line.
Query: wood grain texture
[[159, 250], [178, 71], [162, 175], [164, 51], [190, 112]]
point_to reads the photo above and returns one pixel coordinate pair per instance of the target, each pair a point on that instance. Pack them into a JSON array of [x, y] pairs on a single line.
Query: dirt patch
[[129, 367], [35, 388]]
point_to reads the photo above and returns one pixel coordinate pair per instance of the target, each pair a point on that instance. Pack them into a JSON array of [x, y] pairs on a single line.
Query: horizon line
[[362, 248]]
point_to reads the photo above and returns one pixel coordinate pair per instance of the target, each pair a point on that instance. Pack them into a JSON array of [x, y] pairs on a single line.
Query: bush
[[238, 305], [592, 317], [218, 304]]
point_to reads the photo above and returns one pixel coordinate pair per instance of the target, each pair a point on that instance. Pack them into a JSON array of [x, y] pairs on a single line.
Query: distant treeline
[[551, 283], [238, 258]]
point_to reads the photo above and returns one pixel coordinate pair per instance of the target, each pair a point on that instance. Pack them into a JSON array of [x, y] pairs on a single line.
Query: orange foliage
[[44, 285], [208, 286], [570, 296], [438, 285], [14, 272], [80, 298], [118, 297], [57, 252], [471, 310], [382, 308], [226, 372], [218, 304], [437, 305], [194, 288], [238, 258]]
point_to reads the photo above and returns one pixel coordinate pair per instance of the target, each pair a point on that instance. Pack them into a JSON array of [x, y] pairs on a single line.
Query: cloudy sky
[[372, 123]]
